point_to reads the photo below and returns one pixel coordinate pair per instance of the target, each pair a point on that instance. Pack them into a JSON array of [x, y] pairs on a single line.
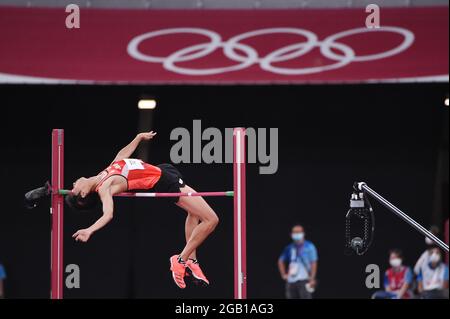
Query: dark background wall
[[330, 136]]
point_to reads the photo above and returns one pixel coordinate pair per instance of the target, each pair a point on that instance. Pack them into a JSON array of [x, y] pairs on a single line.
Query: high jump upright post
[[240, 234], [57, 212], [239, 193]]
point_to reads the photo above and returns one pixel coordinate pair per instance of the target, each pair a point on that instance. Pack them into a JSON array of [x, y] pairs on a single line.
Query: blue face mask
[[298, 236]]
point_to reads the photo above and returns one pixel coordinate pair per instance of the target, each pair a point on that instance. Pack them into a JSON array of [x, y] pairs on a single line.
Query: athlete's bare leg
[[191, 222], [198, 208]]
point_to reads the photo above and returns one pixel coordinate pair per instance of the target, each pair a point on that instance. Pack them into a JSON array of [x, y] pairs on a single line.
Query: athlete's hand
[[146, 136], [82, 235]]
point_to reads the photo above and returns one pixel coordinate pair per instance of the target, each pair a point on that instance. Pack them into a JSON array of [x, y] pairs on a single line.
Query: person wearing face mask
[[397, 279], [298, 266], [433, 277], [2, 278], [424, 258]]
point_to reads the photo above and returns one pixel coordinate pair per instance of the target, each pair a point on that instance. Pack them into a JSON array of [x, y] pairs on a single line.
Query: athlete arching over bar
[[126, 174]]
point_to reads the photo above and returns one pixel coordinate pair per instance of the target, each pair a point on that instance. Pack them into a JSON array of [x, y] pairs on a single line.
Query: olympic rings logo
[[246, 56]]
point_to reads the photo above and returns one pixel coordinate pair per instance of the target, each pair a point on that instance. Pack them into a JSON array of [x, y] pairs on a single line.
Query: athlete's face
[[82, 186]]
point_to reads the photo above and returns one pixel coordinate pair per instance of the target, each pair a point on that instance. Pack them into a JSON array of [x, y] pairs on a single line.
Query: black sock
[[180, 260], [195, 261]]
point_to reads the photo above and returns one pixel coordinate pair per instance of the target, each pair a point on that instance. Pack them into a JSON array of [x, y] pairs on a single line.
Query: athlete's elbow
[[108, 216]]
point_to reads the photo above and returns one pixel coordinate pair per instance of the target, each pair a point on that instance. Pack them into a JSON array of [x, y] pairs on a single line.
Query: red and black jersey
[[139, 175]]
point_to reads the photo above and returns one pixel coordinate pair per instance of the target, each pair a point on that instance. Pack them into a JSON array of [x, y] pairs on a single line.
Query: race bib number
[[134, 164]]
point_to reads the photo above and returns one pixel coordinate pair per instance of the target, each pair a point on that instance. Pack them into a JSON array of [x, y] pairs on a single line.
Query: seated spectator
[[433, 277], [398, 279], [424, 258], [2, 278]]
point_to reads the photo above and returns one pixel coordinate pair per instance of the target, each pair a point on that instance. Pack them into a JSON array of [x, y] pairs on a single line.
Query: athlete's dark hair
[[79, 203]]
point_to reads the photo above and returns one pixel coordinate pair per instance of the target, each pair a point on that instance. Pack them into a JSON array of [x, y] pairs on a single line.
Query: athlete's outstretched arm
[[108, 210], [130, 148]]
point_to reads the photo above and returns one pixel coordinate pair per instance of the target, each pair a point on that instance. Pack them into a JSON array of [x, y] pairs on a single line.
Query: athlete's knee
[[212, 221]]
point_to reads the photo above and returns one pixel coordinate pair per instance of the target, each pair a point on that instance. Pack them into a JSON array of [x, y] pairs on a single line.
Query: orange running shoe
[[178, 271], [193, 269]]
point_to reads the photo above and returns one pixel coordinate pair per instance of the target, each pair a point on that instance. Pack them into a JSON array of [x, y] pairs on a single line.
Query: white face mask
[[428, 241], [435, 258], [298, 237], [395, 262]]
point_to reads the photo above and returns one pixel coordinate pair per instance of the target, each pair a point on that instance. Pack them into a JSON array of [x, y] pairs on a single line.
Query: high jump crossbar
[[239, 208]]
